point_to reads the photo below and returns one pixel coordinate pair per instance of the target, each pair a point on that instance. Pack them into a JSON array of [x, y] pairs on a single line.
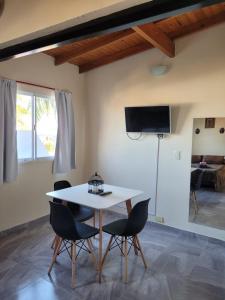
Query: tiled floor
[[182, 266], [211, 209]]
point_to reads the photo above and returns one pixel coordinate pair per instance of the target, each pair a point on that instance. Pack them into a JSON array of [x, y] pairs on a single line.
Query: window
[[36, 124]]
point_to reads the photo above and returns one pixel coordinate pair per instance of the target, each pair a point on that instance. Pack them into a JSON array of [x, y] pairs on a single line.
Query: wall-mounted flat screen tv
[[153, 119]]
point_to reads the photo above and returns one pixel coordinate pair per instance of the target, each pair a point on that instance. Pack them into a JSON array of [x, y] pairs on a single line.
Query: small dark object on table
[[105, 193]]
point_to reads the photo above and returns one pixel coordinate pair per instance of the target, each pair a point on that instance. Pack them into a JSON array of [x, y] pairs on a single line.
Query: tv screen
[[154, 119]]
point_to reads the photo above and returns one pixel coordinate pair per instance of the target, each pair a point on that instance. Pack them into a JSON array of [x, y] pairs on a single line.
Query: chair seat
[[116, 227], [85, 231], [82, 213]]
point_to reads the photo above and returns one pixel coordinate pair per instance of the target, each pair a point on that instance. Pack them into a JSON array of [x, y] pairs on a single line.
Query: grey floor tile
[[182, 266]]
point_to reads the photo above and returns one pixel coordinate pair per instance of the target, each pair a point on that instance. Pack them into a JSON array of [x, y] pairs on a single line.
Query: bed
[[213, 171]]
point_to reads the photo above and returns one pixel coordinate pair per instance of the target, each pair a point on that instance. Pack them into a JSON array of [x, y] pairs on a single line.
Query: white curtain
[[65, 145], [8, 144]]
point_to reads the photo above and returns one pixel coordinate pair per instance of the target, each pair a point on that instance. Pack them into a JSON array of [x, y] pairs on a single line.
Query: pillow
[[196, 159], [214, 159]]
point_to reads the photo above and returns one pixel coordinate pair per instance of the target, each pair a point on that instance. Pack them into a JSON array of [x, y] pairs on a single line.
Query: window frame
[[34, 157]]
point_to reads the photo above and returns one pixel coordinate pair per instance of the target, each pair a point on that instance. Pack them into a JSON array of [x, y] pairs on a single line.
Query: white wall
[[25, 200], [194, 87], [23, 18], [209, 141]]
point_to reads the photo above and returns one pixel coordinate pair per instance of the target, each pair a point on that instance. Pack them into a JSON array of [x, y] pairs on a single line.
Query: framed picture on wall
[[209, 122]]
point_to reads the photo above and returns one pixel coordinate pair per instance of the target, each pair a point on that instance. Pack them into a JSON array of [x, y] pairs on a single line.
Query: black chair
[[124, 232], [196, 181], [80, 213], [70, 233]]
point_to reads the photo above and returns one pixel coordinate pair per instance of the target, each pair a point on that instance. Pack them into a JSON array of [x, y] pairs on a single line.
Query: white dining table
[[79, 195]]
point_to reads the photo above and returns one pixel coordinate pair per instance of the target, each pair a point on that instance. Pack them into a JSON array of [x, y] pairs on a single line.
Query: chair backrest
[[63, 184], [59, 185], [196, 179], [62, 221], [137, 218]]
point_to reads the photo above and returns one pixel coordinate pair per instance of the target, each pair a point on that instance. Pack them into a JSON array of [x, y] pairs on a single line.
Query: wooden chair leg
[[126, 261], [195, 202], [73, 264], [58, 242], [129, 208], [54, 256], [142, 254], [53, 242], [122, 246], [135, 246], [92, 246], [71, 250], [92, 253], [107, 250]]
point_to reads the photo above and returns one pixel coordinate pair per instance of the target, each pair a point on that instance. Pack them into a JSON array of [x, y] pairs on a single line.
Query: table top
[[79, 195]]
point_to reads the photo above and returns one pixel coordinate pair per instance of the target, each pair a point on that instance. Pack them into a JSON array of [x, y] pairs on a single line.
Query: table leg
[[95, 223], [94, 219], [129, 208], [100, 246]]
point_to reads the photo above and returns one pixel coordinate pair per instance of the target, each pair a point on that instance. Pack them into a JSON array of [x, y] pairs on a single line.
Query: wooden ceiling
[[101, 50]]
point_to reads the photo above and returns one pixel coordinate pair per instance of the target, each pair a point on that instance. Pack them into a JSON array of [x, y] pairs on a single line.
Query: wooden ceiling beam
[[147, 12], [156, 37], [94, 45], [114, 57]]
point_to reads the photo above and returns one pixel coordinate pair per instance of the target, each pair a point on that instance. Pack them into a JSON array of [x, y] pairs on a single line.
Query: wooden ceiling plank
[[183, 20], [114, 57], [207, 12], [162, 35], [156, 37], [192, 17], [173, 24], [216, 9], [199, 25], [169, 25], [199, 15], [138, 48], [105, 40]]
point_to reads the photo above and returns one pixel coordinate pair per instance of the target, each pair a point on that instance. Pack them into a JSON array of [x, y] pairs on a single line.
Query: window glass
[[24, 126], [46, 126], [36, 126]]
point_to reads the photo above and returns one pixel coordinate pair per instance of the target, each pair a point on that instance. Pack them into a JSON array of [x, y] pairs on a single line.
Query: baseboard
[[168, 228], [24, 226], [154, 225]]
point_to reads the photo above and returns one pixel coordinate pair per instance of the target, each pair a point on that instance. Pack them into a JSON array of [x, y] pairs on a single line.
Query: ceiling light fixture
[[159, 70]]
